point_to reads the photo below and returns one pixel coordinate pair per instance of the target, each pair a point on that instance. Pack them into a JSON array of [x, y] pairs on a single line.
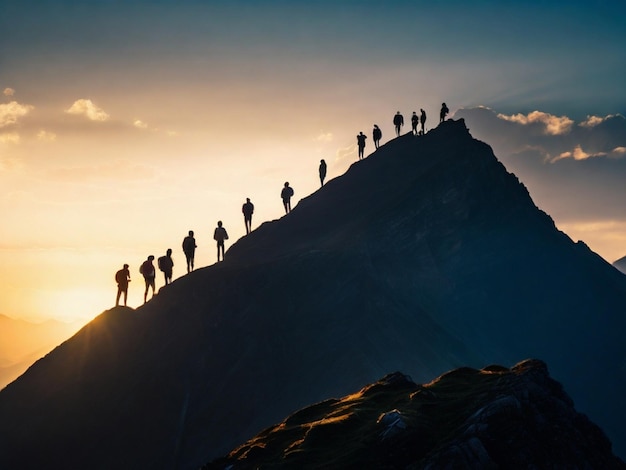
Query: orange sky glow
[[122, 130]]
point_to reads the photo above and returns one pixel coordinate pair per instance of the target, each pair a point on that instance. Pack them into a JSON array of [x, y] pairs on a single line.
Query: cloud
[[139, 124], [593, 121], [11, 112], [345, 155], [88, 109], [46, 136], [8, 92], [324, 137], [553, 125], [10, 138], [576, 176], [578, 154]]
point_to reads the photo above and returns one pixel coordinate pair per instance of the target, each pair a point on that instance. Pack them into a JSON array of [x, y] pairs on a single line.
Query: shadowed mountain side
[[423, 257], [467, 418], [620, 264]]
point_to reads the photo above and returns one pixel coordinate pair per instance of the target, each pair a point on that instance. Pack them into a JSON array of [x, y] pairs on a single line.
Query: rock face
[[468, 419], [424, 257]]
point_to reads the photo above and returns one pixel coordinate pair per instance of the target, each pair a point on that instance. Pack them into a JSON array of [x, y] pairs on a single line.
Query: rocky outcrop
[[493, 418]]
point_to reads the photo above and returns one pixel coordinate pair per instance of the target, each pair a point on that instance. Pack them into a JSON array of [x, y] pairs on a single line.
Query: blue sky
[[114, 113]]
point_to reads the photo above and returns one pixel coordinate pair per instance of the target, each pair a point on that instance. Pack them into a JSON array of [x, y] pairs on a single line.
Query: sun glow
[[76, 304]]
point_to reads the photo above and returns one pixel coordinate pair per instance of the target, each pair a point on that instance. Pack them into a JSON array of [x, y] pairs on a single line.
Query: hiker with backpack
[[443, 113], [377, 134], [122, 277], [398, 121], [423, 120], [286, 195], [189, 248], [166, 265], [219, 236], [148, 272]]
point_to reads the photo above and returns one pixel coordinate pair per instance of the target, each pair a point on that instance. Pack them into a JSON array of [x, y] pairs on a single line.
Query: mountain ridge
[[425, 256]]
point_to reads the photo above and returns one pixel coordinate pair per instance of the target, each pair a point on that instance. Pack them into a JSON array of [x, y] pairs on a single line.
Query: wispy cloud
[[139, 124], [9, 163], [46, 136], [553, 125], [11, 112], [324, 137], [87, 108], [8, 92], [593, 121], [578, 154], [10, 138]]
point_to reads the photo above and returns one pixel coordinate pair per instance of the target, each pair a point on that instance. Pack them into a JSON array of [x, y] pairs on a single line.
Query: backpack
[[120, 277], [163, 265]]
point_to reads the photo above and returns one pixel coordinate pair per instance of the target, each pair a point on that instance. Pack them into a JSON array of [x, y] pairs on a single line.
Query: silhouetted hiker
[[360, 140], [322, 171], [443, 113], [377, 134], [166, 264], [148, 272], [122, 277], [398, 121], [247, 209], [189, 248], [286, 194], [423, 120], [414, 122], [220, 235]]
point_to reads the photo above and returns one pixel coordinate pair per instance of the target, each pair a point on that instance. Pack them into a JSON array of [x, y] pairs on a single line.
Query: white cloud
[[619, 151], [8, 92], [593, 121], [324, 137], [139, 124], [578, 154], [11, 112], [10, 138], [46, 136], [89, 109], [554, 125]]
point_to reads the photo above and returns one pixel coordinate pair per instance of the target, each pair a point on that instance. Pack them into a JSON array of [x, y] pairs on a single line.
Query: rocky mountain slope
[[467, 418], [424, 257]]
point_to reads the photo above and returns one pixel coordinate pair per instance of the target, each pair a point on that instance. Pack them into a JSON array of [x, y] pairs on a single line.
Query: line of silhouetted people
[[165, 263]]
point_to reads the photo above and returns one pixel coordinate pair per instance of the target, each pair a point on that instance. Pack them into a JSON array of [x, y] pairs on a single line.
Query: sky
[[124, 124]]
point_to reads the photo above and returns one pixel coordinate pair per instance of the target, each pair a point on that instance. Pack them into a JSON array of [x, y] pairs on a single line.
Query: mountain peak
[[423, 257]]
